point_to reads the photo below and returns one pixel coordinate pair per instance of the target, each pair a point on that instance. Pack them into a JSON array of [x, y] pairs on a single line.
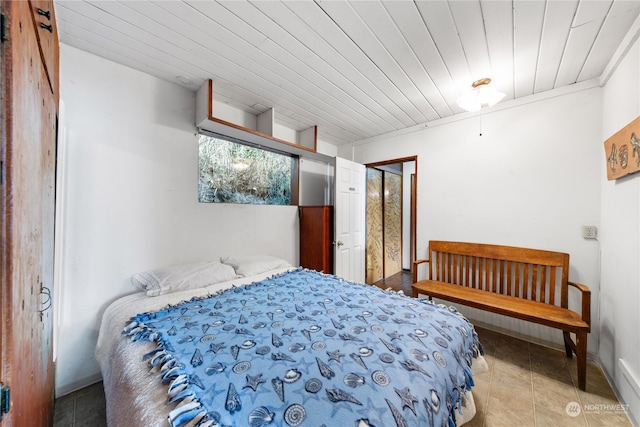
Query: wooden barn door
[[27, 201]]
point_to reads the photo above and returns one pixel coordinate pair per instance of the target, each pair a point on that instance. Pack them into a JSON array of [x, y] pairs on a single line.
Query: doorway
[[391, 212]]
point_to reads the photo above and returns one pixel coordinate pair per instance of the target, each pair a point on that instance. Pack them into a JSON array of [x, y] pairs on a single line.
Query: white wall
[[129, 200], [620, 238], [532, 179]]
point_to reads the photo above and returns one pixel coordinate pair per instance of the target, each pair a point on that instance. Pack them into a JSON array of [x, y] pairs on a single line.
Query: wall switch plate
[[589, 232]]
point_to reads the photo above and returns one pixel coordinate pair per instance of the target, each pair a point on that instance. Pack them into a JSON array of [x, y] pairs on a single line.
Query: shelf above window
[[260, 130]]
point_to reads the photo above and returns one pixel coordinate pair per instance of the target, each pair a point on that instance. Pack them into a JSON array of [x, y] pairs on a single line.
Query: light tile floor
[[527, 385], [531, 385], [83, 408]]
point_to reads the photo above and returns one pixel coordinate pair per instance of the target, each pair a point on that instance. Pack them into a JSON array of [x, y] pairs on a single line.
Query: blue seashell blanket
[[308, 349]]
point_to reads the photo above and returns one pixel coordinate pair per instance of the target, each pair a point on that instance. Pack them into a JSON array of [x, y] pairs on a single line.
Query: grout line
[[576, 389], [533, 391], [488, 397], [73, 414], [491, 370], [569, 368]]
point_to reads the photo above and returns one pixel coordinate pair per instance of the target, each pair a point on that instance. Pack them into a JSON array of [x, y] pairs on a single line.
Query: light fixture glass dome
[[482, 94]]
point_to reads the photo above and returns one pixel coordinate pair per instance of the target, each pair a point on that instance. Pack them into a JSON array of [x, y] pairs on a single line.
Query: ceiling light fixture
[[482, 94], [184, 80]]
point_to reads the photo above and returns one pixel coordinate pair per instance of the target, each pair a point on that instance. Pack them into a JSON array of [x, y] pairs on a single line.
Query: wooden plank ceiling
[[357, 69]]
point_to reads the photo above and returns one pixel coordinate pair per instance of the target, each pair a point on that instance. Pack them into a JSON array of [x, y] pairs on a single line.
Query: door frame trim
[[414, 202]]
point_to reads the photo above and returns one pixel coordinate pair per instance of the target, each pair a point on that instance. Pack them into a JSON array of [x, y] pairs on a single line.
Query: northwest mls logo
[[573, 409]]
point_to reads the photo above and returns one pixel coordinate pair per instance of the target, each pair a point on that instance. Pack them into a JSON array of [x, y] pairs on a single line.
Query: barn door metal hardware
[[44, 13], [45, 300], [5, 400], [4, 27]]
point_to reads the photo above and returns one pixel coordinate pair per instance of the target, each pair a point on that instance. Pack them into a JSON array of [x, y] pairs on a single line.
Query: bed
[[283, 346]]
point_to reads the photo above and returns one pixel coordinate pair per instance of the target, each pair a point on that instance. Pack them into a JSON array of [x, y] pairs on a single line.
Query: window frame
[[295, 167]]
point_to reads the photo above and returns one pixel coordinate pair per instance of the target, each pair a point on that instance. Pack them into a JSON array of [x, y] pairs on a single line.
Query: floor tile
[[91, 408], [553, 381], [509, 410], [552, 417], [607, 418], [64, 411], [83, 408]]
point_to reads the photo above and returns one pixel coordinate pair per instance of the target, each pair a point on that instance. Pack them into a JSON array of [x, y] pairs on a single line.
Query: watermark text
[[574, 409]]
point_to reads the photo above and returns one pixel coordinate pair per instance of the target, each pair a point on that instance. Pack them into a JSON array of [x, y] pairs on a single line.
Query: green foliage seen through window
[[230, 172]]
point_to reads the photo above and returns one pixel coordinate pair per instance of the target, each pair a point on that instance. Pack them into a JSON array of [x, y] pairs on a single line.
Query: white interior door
[[350, 218]]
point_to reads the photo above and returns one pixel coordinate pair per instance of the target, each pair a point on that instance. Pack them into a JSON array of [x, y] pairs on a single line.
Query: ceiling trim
[[621, 51]]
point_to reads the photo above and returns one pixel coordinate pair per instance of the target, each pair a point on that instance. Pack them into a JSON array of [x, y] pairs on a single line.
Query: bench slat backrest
[[532, 274]]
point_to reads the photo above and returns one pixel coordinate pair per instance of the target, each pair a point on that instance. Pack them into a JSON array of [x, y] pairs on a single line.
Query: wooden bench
[[527, 284]]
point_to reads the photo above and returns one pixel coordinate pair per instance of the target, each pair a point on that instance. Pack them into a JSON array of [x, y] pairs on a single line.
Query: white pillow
[[251, 265], [181, 277]]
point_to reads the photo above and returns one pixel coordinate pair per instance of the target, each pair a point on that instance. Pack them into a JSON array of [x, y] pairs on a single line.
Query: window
[[234, 172]]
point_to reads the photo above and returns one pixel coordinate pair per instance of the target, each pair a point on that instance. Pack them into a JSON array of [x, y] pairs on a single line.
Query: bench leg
[[580, 349], [567, 344], [581, 353], [414, 294]]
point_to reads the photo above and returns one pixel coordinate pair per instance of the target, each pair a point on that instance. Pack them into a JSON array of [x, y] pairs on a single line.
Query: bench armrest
[[586, 301], [416, 263]]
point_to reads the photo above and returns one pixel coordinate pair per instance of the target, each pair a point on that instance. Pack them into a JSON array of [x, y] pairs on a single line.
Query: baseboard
[[634, 384], [592, 358], [630, 377], [77, 385]]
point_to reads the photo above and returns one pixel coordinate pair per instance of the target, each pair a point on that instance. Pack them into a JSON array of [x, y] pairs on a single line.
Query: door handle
[[338, 243]]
